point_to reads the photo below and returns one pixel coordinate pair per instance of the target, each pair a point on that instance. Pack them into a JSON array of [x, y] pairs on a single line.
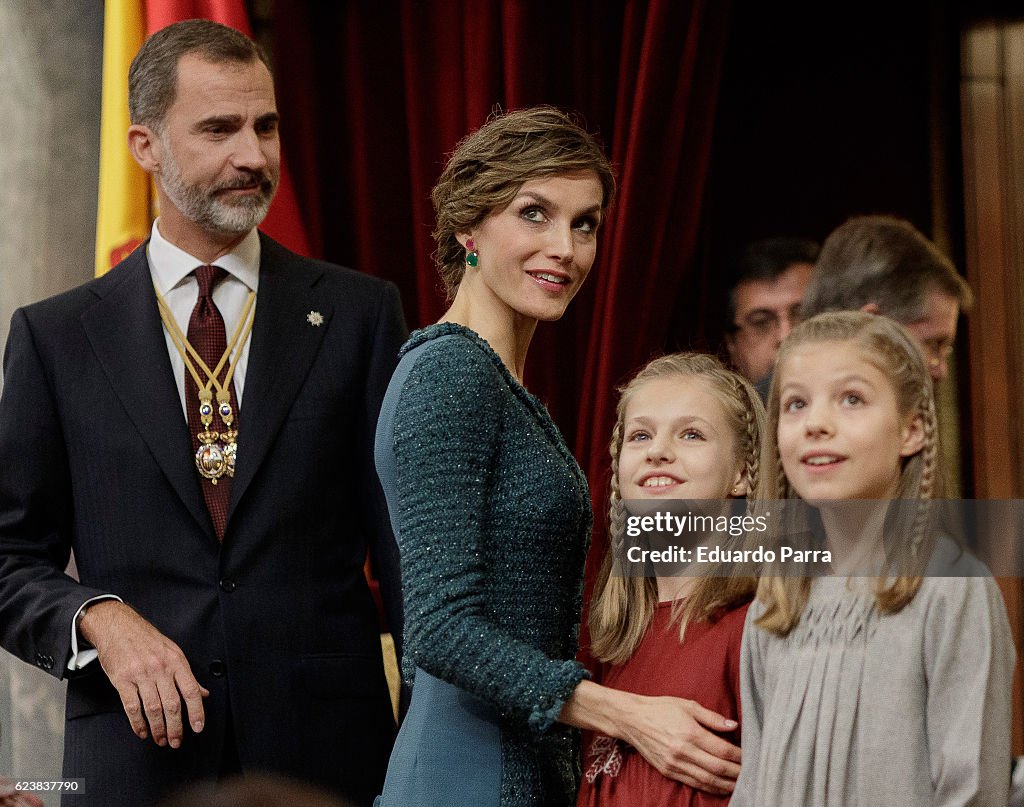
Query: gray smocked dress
[[858, 708]]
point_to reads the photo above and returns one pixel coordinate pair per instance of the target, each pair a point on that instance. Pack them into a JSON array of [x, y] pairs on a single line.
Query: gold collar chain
[[218, 451]]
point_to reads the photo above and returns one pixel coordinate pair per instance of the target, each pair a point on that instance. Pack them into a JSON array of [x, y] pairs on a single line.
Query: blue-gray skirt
[[448, 752]]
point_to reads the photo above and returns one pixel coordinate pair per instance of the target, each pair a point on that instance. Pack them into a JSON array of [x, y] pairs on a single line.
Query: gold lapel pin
[[315, 318]]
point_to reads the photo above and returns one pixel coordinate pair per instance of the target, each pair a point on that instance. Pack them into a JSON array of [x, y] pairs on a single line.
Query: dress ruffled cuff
[[549, 707]]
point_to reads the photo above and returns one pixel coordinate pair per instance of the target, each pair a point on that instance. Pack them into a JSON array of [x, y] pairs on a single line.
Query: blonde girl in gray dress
[[869, 690]]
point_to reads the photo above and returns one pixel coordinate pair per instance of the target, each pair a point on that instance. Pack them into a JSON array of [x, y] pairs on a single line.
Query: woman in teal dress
[[490, 510]]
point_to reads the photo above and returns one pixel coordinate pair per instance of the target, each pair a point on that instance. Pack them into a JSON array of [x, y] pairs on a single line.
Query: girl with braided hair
[[882, 682], [686, 428]]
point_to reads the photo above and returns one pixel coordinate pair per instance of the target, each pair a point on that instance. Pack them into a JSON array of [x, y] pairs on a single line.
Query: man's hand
[[149, 671], [9, 797]]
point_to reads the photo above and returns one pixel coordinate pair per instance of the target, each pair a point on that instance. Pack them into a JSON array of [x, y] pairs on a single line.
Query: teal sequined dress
[[492, 516]]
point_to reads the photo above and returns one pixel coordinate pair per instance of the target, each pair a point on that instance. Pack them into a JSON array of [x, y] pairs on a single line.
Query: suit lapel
[[284, 343], [127, 336]]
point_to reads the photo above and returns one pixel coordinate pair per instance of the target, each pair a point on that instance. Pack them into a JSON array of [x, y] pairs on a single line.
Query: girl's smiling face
[[678, 443], [841, 434]]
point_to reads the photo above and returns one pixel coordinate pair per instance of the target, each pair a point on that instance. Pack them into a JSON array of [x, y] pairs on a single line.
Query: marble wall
[[50, 69]]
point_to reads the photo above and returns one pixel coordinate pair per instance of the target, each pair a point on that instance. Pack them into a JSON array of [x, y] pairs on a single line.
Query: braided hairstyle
[[623, 606], [891, 349]]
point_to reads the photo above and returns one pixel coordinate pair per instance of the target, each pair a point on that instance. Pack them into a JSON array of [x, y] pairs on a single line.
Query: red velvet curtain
[[374, 96]]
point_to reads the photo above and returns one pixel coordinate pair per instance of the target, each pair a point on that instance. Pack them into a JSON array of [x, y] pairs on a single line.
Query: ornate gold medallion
[[217, 454], [210, 461]]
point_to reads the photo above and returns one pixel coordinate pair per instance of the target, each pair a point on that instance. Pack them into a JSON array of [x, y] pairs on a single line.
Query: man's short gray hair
[[885, 261], [153, 75]]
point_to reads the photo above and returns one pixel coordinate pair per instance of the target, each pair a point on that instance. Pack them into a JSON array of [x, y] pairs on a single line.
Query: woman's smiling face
[[535, 254]]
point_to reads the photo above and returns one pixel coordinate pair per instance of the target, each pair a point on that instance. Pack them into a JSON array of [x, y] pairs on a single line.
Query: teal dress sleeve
[[455, 457]]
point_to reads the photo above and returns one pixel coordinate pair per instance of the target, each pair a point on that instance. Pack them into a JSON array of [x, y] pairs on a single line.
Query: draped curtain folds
[[665, 103], [375, 96]]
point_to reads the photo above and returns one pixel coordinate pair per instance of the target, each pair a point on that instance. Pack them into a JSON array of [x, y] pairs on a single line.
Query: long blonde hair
[[623, 606], [888, 347]]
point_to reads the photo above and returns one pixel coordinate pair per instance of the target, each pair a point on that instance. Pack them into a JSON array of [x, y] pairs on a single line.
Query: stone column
[[50, 68]]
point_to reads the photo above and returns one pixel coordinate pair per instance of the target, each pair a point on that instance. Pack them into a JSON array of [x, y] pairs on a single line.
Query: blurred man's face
[[935, 332], [766, 311]]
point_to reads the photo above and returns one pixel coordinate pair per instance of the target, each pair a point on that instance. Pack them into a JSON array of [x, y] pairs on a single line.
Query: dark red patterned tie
[[207, 335]]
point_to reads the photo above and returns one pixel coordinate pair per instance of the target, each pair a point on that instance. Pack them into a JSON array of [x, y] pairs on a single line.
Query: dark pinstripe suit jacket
[[277, 622]]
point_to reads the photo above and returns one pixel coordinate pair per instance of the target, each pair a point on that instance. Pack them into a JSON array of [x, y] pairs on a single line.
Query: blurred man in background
[[771, 276]]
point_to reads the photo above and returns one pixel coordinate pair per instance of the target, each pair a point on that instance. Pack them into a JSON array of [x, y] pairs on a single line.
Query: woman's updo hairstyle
[[490, 165]]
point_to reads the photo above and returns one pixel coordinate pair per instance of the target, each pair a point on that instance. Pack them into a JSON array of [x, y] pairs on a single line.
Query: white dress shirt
[[171, 269]]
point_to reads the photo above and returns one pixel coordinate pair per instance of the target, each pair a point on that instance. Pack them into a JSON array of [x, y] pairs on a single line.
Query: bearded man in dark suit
[[197, 426]]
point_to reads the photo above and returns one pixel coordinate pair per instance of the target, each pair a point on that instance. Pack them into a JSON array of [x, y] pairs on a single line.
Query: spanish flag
[[123, 216], [126, 200]]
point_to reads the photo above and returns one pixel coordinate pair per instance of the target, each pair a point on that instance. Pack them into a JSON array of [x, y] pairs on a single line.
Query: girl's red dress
[[705, 668]]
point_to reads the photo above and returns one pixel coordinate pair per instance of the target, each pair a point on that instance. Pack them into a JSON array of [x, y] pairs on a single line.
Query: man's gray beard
[[200, 206]]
